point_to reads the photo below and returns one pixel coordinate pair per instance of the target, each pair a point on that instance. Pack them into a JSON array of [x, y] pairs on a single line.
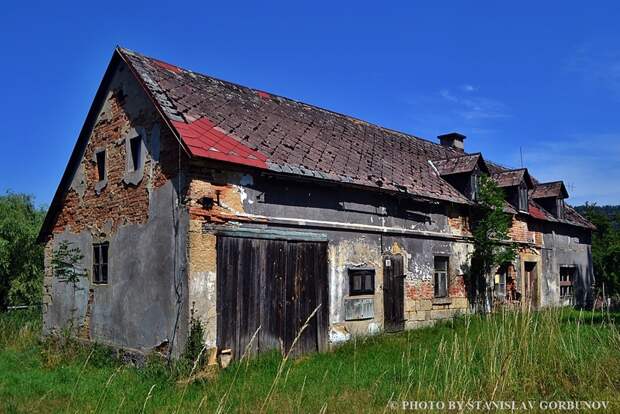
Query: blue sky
[[540, 76]]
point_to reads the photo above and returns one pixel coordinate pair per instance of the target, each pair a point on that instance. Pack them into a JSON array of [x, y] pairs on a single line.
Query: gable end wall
[[138, 214]]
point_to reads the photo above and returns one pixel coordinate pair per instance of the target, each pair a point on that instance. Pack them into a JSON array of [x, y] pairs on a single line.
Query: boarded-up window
[[361, 281], [441, 277], [567, 280], [100, 263]]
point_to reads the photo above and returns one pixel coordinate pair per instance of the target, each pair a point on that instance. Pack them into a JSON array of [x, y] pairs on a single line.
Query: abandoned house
[[192, 197]]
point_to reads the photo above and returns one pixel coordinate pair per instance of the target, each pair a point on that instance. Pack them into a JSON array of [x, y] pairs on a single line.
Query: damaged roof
[[511, 178], [459, 164], [554, 189], [220, 120], [227, 122]]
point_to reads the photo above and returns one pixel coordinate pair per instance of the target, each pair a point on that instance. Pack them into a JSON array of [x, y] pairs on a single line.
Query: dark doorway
[[393, 293], [531, 284], [274, 285]]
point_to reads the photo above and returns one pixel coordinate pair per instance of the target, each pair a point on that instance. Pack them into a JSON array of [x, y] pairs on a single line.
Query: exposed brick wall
[[458, 222], [419, 290], [126, 109], [519, 230], [525, 231], [424, 289]]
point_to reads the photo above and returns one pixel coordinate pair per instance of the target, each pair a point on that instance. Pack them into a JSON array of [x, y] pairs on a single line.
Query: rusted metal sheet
[[274, 285]]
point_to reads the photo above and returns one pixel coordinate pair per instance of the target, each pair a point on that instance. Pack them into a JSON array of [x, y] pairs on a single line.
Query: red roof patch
[[168, 66], [204, 140], [263, 95], [536, 212]]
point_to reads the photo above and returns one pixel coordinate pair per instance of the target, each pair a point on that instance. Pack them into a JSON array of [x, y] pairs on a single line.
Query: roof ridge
[[285, 98]]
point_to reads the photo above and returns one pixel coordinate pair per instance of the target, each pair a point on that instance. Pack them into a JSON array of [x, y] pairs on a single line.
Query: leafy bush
[[21, 257]]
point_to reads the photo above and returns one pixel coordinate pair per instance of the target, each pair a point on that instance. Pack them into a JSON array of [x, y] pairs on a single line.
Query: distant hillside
[[611, 212]]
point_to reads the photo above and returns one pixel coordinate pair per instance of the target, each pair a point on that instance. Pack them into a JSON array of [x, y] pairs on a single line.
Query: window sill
[[364, 296], [442, 301], [100, 186], [133, 177]]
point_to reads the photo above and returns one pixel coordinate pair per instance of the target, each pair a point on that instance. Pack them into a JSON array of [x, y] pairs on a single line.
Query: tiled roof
[[553, 189], [510, 178], [534, 209], [459, 164], [224, 121]]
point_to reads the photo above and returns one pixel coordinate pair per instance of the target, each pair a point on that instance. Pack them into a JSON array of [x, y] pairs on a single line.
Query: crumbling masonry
[[190, 197]]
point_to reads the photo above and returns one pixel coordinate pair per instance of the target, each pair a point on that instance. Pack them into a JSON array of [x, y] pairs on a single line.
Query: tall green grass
[[557, 354]]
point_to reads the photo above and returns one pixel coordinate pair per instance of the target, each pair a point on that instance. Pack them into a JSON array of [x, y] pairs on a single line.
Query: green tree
[[21, 258], [605, 248], [492, 245]]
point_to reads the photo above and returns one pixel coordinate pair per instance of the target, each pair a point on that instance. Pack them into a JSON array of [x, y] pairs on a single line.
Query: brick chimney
[[453, 140]]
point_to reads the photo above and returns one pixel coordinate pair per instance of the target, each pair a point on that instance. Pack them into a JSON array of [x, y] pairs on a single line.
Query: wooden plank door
[[274, 285], [393, 293]]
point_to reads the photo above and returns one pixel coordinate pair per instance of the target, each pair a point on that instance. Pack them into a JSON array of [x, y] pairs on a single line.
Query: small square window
[[361, 282], [100, 156], [100, 263], [440, 279], [135, 145]]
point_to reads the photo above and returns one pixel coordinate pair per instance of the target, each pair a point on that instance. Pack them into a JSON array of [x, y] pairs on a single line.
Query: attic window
[[523, 202], [559, 208], [474, 186], [135, 146], [100, 157]]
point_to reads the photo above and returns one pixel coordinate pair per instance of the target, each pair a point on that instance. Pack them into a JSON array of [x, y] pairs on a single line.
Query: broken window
[[567, 280], [100, 263], [523, 203], [361, 282], [135, 146], [441, 277], [100, 156]]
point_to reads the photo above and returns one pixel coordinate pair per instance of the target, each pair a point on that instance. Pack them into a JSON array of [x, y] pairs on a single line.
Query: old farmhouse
[[192, 197]]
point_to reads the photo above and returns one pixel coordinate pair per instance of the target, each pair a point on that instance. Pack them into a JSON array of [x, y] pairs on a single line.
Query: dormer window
[[463, 172], [523, 201], [551, 197]]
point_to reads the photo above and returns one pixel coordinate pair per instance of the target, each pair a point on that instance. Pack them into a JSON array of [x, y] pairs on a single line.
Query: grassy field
[[550, 355]]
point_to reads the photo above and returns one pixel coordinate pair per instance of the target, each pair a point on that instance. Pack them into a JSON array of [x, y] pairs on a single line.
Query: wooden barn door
[[393, 293], [274, 285]]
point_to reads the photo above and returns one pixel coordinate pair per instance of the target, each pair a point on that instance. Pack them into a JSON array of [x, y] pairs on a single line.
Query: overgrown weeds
[[554, 354]]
